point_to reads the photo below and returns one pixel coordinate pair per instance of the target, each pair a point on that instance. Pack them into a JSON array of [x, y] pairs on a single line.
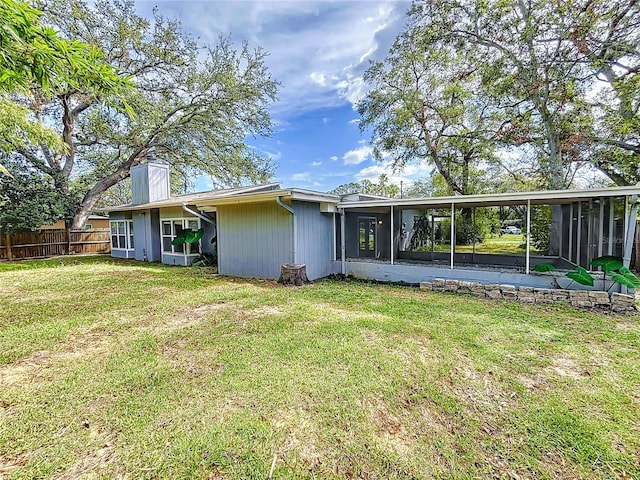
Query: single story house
[[258, 228]]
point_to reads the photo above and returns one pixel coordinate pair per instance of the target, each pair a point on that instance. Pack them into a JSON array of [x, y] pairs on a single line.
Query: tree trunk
[[91, 198], [293, 274]]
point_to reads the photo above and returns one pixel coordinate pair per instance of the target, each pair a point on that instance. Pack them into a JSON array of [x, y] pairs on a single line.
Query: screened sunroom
[[495, 237]]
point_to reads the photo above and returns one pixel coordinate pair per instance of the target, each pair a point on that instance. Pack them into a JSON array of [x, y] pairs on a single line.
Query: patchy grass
[[122, 369]]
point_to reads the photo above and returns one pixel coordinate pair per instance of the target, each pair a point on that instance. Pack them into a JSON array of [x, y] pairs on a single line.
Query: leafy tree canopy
[[382, 187], [28, 199], [194, 105], [34, 56], [466, 76]]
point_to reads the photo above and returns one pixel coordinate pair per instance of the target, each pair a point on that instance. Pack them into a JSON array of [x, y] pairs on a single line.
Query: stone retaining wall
[[617, 302]]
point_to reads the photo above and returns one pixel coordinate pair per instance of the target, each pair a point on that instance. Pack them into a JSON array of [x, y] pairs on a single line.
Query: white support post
[[433, 234], [590, 222], [631, 221], [453, 233], [528, 248], [343, 248], [612, 214], [570, 257], [473, 251], [392, 239], [600, 226], [625, 219], [335, 239], [561, 231], [579, 233]]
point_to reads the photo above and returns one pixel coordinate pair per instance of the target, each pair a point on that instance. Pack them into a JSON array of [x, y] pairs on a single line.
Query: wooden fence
[[51, 243]]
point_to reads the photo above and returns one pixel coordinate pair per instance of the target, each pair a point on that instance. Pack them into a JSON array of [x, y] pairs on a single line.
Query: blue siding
[[154, 252], [119, 216], [315, 238], [121, 253], [182, 260], [141, 234], [254, 239]]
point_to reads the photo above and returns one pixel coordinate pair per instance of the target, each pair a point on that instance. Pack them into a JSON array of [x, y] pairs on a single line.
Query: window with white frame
[[121, 234], [169, 229]]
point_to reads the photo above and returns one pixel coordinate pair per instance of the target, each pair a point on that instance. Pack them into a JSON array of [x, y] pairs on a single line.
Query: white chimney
[[149, 182]]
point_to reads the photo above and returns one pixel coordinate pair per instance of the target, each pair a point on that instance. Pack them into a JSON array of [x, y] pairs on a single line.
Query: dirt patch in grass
[[100, 455], [188, 316], [9, 465], [297, 432], [35, 365], [264, 311], [389, 428], [193, 364], [566, 367]]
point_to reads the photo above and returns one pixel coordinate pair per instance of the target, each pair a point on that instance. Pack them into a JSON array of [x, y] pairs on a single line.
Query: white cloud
[[371, 173], [301, 177], [318, 50], [354, 121], [316, 164], [325, 120], [357, 156], [318, 78], [333, 158], [407, 176]]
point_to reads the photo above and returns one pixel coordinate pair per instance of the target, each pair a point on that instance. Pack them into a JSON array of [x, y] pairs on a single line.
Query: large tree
[[424, 106], [194, 105], [34, 56], [607, 34], [540, 62]]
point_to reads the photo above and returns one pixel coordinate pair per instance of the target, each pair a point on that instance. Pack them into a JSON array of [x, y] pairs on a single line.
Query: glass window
[[171, 228], [130, 225], [120, 230]]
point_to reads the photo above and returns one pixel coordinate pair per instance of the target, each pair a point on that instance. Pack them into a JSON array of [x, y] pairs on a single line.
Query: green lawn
[[128, 370], [505, 244]]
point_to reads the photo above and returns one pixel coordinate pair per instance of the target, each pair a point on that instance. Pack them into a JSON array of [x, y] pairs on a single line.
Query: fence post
[[7, 241], [68, 241]]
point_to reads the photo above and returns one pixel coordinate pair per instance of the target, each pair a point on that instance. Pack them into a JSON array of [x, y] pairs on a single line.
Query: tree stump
[[293, 274]]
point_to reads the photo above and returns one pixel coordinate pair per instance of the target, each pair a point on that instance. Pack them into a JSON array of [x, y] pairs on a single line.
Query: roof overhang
[[548, 197], [195, 198], [290, 194], [209, 202]]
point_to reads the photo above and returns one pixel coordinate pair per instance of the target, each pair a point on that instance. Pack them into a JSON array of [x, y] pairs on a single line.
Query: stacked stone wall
[[616, 302]]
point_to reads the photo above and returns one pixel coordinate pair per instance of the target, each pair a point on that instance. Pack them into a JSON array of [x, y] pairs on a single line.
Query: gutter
[[295, 226]]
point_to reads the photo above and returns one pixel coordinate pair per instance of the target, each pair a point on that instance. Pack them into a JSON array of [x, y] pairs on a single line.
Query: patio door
[[367, 236]]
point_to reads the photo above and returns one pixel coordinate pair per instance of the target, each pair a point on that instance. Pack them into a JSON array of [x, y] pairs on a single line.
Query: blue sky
[[318, 50]]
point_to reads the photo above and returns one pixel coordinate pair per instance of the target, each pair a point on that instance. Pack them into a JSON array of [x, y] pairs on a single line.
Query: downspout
[[295, 227], [197, 214]]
